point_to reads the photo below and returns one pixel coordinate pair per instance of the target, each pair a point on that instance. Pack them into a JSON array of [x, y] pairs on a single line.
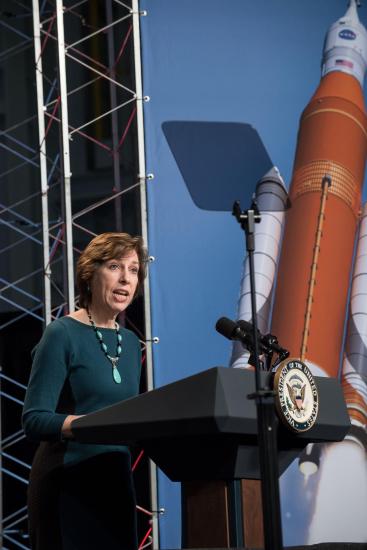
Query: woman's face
[[114, 283]]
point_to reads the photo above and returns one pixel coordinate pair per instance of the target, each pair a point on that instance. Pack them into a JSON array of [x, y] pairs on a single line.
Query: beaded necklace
[[113, 360]]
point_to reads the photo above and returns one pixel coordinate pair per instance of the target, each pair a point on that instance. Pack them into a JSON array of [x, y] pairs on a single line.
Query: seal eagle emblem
[[297, 399]]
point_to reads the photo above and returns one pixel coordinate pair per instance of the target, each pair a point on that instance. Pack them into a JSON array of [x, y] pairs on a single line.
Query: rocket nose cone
[[274, 173], [271, 193], [351, 14], [345, 48]]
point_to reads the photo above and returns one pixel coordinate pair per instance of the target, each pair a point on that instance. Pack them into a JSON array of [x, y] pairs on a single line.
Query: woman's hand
[[66, 427]]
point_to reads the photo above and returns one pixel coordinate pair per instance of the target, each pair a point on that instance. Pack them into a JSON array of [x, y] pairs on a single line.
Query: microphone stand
[[267, 420]]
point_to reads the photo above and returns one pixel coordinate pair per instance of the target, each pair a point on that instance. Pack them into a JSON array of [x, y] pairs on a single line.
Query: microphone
[[244, 332], [234, 331]]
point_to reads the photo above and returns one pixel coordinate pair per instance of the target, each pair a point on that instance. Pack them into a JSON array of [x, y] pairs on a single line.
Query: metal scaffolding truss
[[72, 168]]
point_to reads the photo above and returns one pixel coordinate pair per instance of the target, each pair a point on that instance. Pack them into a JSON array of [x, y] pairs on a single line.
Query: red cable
[[123, 46], [47, 34], [145, 538], [88, 57], [52, 115], [137, 460], [100, 143], [125, 131]]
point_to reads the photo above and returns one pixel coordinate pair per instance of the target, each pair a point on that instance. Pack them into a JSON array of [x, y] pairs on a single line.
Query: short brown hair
[[102, 248]]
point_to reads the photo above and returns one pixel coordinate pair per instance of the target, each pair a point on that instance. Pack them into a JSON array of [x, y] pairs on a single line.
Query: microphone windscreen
[[247, 328], [226, 327]]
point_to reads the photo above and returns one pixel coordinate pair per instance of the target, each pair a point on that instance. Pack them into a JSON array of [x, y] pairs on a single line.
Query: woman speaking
[[81, 496]]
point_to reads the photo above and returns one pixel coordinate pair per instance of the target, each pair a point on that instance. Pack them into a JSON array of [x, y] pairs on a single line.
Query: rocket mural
[[267, 237], [316, 263], [354, 374], [317, 250], [343, 471]]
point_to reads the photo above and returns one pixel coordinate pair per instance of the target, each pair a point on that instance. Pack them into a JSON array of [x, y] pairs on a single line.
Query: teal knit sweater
[[72, 375]]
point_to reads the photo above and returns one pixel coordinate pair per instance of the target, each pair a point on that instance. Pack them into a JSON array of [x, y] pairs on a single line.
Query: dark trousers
[[90, 505]]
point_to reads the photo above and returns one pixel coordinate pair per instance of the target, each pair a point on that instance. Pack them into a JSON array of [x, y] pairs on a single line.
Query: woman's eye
[[134, 270], [114, 266]]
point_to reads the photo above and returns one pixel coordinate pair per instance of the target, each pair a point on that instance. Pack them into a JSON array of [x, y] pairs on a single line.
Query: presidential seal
[[296, 399]]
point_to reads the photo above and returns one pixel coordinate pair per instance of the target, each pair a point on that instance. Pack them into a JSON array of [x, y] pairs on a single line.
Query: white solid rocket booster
[[343, 474], [270, 196]]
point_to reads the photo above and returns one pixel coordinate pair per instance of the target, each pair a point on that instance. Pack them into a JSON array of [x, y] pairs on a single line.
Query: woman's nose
[[124, 277]]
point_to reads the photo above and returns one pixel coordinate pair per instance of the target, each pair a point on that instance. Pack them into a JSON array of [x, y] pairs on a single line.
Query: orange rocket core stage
[[317, 251]]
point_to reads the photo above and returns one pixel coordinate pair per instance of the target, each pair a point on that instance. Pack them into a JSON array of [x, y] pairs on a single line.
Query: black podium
[[204, 427]]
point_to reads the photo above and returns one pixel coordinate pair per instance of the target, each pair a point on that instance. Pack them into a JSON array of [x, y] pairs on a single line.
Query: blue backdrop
[[242, 61]]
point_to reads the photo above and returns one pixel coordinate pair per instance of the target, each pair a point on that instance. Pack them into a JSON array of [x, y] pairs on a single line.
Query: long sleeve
[[48, 375]]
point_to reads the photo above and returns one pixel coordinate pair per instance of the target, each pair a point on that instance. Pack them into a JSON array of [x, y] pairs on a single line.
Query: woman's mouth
[[120, 295]]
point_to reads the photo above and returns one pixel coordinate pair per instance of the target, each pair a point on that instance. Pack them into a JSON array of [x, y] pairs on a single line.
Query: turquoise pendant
[[116, 375]]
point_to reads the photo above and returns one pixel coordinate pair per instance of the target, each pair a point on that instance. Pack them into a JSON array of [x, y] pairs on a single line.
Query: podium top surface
[[213, 402]]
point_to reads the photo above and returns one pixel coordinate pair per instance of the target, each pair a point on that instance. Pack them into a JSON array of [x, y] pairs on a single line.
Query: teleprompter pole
[[265, 406]]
